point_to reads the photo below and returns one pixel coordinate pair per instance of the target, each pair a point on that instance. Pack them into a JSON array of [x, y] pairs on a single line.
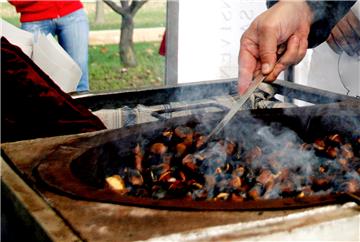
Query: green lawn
[[106, 72], [8, 13], [152, 14]]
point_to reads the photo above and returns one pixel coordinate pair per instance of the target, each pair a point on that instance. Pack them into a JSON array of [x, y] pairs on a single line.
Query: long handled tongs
[[241, 100], [237, 106]]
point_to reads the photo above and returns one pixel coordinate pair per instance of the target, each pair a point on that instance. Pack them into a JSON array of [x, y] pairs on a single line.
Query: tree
[[99, 12], [127, 9]]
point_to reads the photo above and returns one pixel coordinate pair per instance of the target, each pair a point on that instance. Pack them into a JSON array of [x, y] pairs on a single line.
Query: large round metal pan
[[77, 169]]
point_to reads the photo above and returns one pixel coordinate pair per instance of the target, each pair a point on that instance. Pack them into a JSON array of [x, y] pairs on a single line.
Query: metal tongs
[[242, 99], [237, 106]]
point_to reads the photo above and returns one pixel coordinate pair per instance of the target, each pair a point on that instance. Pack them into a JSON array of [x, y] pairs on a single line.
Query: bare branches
[[136, 5], [125, 3], [116, 7], [124, 8], [127, 9]]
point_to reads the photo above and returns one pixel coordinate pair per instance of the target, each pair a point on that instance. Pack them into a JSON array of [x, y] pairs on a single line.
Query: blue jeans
[[72, 32]]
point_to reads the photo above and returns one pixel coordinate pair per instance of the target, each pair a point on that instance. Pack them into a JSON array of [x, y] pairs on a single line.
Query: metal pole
[[289, 75], [172, 33]]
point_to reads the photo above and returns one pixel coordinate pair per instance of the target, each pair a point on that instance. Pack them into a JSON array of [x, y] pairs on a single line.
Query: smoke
[[261, 154], [275, 146]]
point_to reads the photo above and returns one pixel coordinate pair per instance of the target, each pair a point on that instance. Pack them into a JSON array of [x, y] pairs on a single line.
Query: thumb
[[267, 50]]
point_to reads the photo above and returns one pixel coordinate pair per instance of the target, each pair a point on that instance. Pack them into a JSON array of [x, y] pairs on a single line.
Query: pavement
[[102, 37]]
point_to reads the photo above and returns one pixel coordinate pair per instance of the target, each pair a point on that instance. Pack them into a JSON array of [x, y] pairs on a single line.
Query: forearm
[[325, 16]]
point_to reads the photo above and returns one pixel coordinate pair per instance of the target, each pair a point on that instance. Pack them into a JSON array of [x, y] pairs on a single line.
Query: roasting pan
[[77, 169]]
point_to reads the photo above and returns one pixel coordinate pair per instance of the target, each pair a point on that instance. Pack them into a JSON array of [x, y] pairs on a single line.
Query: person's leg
[[73, 34], [44, 26]]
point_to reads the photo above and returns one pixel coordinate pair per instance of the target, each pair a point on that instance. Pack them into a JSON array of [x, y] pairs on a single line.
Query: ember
[[176, 165]]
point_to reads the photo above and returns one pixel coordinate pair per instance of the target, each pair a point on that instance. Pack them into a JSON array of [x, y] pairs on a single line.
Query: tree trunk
[[127, 54], [127, 9], [99, 12]]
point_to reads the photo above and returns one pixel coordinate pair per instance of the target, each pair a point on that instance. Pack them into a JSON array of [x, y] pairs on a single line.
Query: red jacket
[[42, 10]]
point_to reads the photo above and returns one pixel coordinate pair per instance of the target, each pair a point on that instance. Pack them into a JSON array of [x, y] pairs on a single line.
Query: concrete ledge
[[329, 223], [102, 37], [31, 217]]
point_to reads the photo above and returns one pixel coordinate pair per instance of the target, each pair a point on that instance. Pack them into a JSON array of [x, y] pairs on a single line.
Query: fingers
[[273, 27], [267, 48], [302, 48], [294, 53], [247, 66]]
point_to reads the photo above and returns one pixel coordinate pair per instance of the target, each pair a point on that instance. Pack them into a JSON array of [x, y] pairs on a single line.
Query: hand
[[286, 22], [345, 36]]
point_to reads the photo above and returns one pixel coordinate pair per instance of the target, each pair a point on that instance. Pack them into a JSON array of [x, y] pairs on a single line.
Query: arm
[[298, 23], [325, 16], [345, 36], [287, 22]]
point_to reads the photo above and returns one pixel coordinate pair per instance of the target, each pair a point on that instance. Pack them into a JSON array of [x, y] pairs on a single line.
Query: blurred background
[[106, 72]]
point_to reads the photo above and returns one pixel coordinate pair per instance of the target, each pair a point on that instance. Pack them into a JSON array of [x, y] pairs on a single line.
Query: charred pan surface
[[142, 160]]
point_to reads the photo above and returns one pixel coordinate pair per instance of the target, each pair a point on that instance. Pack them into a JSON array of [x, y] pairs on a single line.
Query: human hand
[[286, 22], [345, 36]]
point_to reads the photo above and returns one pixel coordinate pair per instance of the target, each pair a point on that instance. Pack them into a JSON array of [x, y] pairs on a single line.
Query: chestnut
[[183, 131], [158, 148], [115, 183], [332, 152], [319, 144], [346, 151]]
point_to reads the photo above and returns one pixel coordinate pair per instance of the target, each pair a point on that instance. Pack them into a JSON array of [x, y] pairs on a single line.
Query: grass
[[8, 13], [106, 72], [152, 14]]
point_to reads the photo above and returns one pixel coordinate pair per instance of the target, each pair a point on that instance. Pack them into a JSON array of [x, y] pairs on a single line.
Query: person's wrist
[[308, 12], [302, 7]]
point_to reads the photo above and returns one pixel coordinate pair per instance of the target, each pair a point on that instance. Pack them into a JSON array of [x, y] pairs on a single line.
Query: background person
[[65, 19], [335, 65]]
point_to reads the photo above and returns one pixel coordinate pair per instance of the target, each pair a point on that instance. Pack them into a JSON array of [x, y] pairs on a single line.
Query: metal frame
[[172, 34], [197, 91]]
